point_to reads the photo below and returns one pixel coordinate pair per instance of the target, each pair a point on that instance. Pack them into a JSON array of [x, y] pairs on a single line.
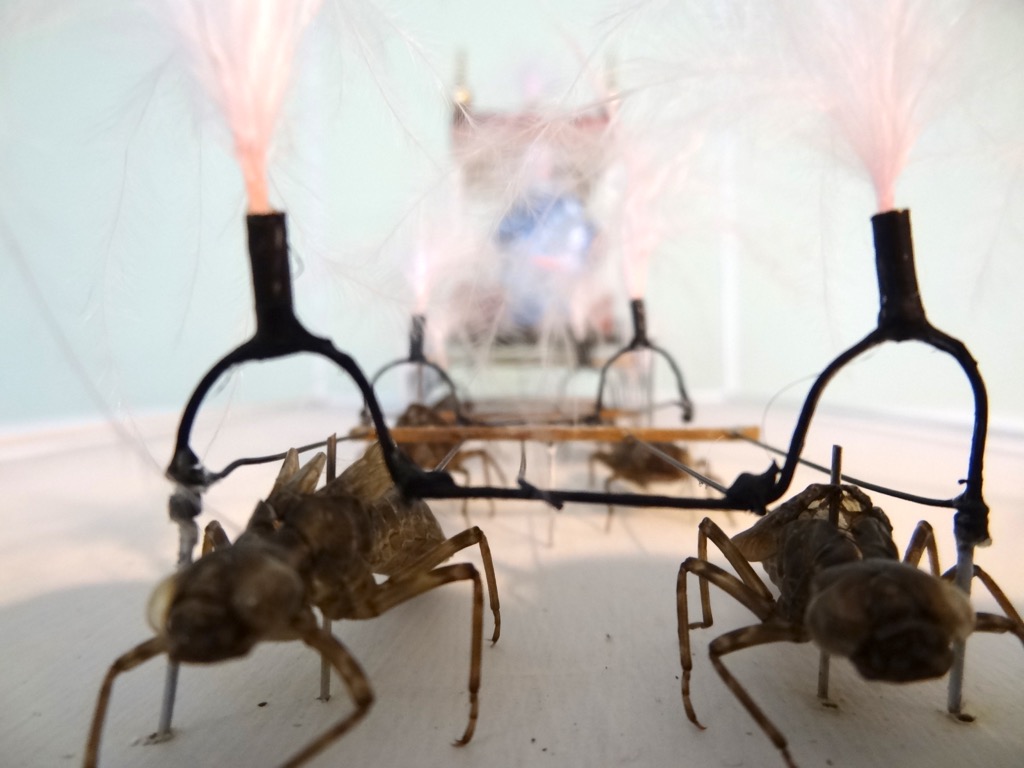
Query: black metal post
[[638, 312], [900, 309], [271, 278], [416, 336], [278, 334]]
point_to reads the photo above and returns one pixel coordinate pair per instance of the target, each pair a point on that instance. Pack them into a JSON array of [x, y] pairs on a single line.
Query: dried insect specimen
[[430, 455], [303, 550], [633, 460], [841, 585]]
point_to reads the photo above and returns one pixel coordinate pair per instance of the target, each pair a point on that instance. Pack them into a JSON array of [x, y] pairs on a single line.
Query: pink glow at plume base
[[439, 245], [420, 279], [243, 52], [254, 172]]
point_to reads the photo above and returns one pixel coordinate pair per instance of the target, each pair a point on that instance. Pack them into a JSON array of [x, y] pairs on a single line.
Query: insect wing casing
[[404, 529], [873, 535], [893, 621], [366, 478], [395, 530], [761, 542]]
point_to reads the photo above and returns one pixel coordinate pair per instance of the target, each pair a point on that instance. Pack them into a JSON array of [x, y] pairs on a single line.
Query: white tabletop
[[587, 669]]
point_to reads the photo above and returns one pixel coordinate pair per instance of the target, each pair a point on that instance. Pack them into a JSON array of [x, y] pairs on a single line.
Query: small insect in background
[[304, 549], [841, 585], [634, 460], [433, 454]]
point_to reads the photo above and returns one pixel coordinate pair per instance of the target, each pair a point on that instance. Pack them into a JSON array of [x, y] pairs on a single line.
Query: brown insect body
[[842, 585], [893, 621], [400, 529], [630, 460], [266, 596], [426, 455], [796, 541], [302, 550], [429, 455]]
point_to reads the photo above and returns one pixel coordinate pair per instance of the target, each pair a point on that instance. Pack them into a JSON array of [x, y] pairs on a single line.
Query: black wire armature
[[279, 334], [901, 317], [637, 343], [416, 356], [249, 461]]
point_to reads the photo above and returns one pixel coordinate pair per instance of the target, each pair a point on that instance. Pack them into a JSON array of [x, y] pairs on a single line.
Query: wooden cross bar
[[558, 433]]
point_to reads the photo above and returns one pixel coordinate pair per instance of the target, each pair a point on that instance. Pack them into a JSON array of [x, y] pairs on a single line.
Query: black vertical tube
[[639, 312], [271, 276], [416, 336], [900, 312]]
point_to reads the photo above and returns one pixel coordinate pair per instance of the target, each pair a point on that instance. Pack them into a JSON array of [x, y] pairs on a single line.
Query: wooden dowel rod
[[560, 433]]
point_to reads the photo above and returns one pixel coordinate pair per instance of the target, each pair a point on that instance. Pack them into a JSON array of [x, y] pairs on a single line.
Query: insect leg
[[408, 585], [992, 622], [446, 549], [708, 572], [608, 489], [137, 655], [748, 637], [487, 461], [922, 540], [709, 529], [352, 675], [465, 481], [590, 468], [994, 589]]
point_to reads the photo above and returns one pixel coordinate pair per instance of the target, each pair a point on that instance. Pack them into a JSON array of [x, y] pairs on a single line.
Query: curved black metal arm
[[901, 318], [417, 357], [637, 343], [278, 334]]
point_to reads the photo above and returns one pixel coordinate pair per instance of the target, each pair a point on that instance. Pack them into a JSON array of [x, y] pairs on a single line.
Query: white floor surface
[[587, 669]]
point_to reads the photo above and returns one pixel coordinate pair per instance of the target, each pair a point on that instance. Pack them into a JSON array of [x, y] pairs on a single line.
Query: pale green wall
[[122, 200]]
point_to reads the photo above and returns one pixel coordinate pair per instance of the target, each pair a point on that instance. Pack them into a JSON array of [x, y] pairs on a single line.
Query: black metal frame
[[417, 357], [279, 333], [901, 318], [640, 342]]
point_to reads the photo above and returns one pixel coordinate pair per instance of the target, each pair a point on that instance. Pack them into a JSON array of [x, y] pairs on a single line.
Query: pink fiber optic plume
[[439, 245], [244, 51], [648, 169], [642, 231], [869, 64], [421, 277]]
